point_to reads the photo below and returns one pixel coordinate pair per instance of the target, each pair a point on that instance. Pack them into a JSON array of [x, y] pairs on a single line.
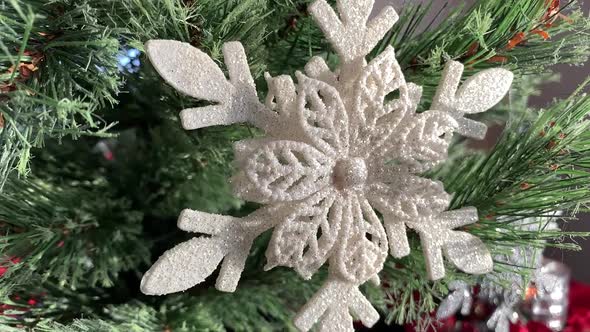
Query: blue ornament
[[128, 60]]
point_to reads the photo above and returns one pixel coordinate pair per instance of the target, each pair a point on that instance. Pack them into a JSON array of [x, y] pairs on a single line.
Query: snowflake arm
[[478, 94], [235, 99], [190, 262], [281, 94], [353, 36], [464, 250], [420, 204], [331, 306]]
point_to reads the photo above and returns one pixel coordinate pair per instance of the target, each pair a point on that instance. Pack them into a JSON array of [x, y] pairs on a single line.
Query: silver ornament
[[550, 303], [506, 289], [459, 299], [502, 317]]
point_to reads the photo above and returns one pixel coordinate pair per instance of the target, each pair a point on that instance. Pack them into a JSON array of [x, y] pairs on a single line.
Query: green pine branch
[[538, 167], [76, 235], [134, 316], [480, 37], [58, 66]]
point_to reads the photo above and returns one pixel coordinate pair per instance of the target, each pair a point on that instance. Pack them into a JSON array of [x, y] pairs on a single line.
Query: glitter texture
[[337, 153], [459, 299], [503, 289]]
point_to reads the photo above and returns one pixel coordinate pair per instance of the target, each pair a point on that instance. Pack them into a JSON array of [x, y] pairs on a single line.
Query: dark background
[[571, 77]]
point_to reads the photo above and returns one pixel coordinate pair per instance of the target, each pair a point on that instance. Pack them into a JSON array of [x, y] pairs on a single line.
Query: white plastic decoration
[[336, 154]]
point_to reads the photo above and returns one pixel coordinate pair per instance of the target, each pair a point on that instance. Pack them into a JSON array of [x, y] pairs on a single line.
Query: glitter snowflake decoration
[[338, 168]]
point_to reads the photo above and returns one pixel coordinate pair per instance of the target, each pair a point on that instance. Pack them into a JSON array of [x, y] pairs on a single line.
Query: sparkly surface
[[518, 256], [337, 153], [459, 299], [189, 263], [515, 287], [478, 94], [506, 289]]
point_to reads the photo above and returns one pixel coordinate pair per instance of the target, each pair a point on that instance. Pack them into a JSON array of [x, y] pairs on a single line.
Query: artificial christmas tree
[[96, 165]]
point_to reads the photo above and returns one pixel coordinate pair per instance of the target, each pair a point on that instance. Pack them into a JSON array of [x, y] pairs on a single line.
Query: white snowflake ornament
[[337, 169]]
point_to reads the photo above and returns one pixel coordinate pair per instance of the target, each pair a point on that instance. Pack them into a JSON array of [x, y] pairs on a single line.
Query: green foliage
[[62, 70], [406, 277], [72, 233], [263, 302], [223, 21], [59, 81], [479, 36], [536, 168], [545, 153], [68, 49], [295, 40], [143, 19], [81, 325], [187, 170], [133, 317]]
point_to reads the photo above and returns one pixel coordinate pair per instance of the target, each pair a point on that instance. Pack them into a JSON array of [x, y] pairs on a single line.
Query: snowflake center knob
[[349, 173]]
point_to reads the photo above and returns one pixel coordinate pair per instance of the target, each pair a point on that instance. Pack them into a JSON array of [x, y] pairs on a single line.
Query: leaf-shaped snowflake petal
[[191, 253], [375, 116], [363, 248], [409, 198], [429, 137], [282, 171], [214, 89], [380, 78], [306, 237], [322, 116]]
